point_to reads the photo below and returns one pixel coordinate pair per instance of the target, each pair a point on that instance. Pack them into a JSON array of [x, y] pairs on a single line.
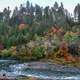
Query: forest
[[36, 33], [42, 42]]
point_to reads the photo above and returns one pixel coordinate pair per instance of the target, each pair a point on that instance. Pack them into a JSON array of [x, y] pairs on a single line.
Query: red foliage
[[63, 46]]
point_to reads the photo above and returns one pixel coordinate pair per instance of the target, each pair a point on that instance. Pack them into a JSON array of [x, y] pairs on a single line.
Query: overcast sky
[[69, 4]]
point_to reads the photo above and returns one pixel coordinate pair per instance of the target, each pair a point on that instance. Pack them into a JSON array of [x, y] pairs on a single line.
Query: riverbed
[[42, 70]]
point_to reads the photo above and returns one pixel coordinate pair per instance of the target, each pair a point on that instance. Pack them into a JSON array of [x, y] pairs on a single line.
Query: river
[[42, 70]]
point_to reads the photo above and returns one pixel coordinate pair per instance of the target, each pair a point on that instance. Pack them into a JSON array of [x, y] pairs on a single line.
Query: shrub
[[74, 49], [71, 37], [23, 53], [38, 52], [6, 53]]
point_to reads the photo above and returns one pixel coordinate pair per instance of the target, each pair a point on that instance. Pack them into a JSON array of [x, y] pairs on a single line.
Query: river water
[[40, 70]]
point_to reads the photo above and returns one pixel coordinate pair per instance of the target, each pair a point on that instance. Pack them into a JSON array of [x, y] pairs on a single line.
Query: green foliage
[[4, 29], [14, 21], [28, 19], [6, 53], [27, 78], [71, 37], [36, 26], [37, 38], [38, 52]]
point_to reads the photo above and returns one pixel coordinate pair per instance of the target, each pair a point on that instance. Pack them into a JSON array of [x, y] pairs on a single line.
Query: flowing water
[[41, 70]]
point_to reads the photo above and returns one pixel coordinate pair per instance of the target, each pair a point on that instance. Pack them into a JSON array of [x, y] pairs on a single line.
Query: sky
[[68, 4]]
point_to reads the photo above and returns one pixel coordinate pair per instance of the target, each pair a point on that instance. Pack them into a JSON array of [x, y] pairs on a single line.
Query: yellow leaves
[[70, 33], [67, 33], [6, 53], [27, 78], [13, 48]]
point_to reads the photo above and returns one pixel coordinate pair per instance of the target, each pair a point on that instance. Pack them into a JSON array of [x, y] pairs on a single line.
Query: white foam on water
[[73, 78], [19, 69]]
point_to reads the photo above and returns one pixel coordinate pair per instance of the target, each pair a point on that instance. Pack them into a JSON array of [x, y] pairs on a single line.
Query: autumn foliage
[[22, 26]]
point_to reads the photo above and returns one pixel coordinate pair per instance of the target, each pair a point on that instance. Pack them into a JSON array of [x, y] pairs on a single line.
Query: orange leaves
[[63, 50], [68, 57], [54, 30], [22, 26]]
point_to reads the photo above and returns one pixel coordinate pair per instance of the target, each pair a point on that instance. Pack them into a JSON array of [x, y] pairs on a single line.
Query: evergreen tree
[[56, 6], [77, 13], [38, 12], [28, 7]]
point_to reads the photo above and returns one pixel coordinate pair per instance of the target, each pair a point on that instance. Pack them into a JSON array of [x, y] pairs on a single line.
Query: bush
[[6, 53], [38, 52], [71, 37], [23, 53], [74, 49]]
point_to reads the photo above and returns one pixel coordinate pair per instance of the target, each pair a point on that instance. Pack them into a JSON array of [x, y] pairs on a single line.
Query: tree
[[46, 14], [38, 13], [77, 13], [1, 16], [56, 6], [15, 20], [62, 6], [28, 7], [22, 9], [15, 12], [6, 14], [32, 9], [61, 9]]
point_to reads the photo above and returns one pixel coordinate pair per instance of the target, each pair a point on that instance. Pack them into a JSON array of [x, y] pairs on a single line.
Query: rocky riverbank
[[12, 78]]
